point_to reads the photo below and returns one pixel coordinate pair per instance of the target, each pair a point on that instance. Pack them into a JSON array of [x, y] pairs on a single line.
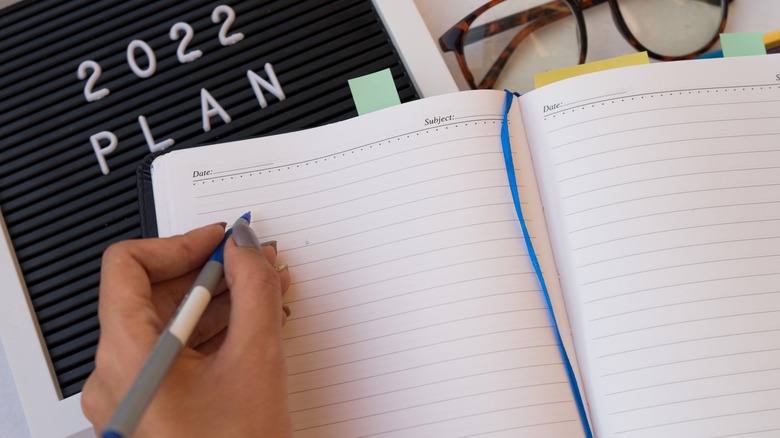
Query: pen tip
[[247, 216]]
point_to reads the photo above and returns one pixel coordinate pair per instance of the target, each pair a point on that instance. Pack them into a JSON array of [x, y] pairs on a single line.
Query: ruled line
[[669, 324], [382, 192], [657, 143], [681, 303], [352, 183], [661, 160], [421, 347], [629, 113], [413, 292], [400, 370], [319, 242], [663, 125], [692, 207], [672, 92], [409, 275], [486, 315], [659, 178], [681, 265], [242, 170], [395, 206], [416, 236], [753, 186], [704, 338], [676, 229], [433, 403], [548, 423], [397, 259], [341, 169], [694, 399], [411, 311], [717, 356], [688, 283], [693, 245], [747, 433], [400, 205], [407, 388], [478, 414], [698, 419], [695, 379]]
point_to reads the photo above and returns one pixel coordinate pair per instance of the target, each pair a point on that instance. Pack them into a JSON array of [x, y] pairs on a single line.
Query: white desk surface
[[604, 41]]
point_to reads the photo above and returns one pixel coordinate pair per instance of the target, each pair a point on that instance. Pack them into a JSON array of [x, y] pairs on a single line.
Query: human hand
[[231, 378]]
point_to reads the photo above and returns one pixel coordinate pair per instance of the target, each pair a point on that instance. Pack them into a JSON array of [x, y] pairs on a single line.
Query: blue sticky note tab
[[715, 54], [742, 44], [374, 91]]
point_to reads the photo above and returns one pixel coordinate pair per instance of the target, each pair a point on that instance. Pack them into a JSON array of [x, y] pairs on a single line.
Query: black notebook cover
[[60, 209]]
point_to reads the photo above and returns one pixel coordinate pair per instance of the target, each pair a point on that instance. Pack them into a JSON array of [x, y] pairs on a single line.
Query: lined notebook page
[[415, 309], [661, 186]]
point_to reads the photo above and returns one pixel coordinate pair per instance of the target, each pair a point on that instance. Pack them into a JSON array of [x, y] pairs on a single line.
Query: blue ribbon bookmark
[[510, 172]]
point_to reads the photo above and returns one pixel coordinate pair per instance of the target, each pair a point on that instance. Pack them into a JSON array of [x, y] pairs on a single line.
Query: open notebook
[[653, 202]]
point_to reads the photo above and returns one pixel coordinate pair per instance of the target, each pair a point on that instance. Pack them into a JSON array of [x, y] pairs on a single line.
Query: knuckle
[[89, 404], [116, 251], [264, 276]]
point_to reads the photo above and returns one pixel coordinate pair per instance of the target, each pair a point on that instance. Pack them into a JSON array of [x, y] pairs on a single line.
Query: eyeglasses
[[505, 42]]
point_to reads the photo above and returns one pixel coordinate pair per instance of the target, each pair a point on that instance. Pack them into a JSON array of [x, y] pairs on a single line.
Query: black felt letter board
[[60, 209]]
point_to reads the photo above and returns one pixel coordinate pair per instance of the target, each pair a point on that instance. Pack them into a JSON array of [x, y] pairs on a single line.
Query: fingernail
[[271, 243], [286, 311], [281, 267], [245, 236]]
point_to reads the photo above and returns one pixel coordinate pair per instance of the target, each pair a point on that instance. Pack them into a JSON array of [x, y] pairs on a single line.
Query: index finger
[[165, 258], [130, 268]]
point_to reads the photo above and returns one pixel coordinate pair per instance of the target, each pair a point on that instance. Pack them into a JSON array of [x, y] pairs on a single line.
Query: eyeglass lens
[[544, 35], [672, 27]]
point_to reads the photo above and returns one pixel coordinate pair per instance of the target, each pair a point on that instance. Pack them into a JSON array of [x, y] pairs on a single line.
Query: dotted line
[[663, 94], [324, 159], [595, 97]]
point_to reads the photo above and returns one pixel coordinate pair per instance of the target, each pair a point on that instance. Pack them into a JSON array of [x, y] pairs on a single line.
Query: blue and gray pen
[[175, 336]]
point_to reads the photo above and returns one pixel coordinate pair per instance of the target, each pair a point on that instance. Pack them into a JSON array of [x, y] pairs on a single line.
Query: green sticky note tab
[[374, 91], [742, 44]]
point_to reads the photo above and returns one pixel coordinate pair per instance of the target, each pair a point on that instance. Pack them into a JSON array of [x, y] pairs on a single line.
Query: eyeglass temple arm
[[487, 30], [478, 33]]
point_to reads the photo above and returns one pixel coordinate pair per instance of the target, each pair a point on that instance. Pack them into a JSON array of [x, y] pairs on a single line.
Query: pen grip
[[134, 404], [165, 352], [194, 304]]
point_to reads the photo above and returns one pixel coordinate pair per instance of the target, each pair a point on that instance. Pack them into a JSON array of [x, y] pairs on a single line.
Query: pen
[[171, 341]]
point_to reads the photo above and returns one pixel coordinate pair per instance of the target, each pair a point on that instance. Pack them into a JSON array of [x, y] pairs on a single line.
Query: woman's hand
[[231, 379]]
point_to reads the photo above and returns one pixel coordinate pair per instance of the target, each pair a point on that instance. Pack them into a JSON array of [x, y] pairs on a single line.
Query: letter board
[[88, 89]]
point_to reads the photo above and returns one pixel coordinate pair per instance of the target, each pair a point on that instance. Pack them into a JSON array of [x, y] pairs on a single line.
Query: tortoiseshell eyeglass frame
[[456, 37]]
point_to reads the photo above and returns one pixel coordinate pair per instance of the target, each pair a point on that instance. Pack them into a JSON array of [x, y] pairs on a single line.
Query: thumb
[[255, 294]]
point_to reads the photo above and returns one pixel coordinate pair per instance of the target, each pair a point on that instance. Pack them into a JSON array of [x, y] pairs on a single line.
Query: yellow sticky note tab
[[374, 91], [742, 44], [772, 40], [548, 77]]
